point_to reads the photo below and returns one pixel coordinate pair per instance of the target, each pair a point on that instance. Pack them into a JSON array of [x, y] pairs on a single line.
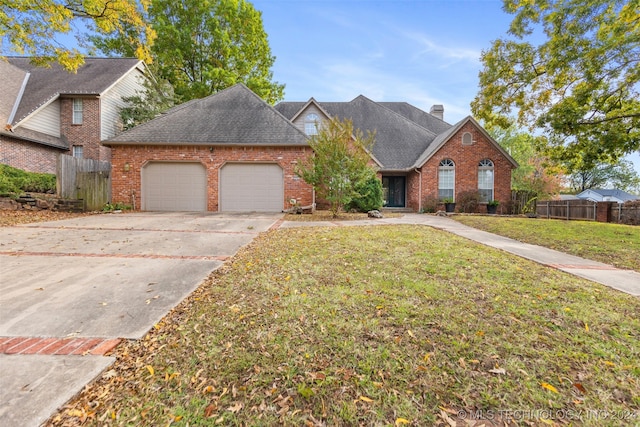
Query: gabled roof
[[234, 116], [442, 138], [399, 140], [416, 115], [14, 81], [95, 77], [618, 194]]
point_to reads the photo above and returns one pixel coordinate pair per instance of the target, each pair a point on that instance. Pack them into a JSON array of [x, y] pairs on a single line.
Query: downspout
[[419, 172]]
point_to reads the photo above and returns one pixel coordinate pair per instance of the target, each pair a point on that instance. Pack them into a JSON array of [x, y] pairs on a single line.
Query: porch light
[[127, 167]]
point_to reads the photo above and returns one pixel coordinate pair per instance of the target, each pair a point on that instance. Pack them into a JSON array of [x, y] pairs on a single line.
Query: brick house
[[232, 151], [49, 111]]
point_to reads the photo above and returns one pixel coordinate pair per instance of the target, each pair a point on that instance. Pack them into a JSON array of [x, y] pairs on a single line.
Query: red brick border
[[57, 346]]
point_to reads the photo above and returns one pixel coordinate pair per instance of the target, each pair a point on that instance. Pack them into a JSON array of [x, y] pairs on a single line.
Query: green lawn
[[614, 244], [384, 325]]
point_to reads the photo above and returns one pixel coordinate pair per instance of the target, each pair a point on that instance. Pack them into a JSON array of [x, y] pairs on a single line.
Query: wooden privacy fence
[[627, 213], [567, 209], [84, 179]]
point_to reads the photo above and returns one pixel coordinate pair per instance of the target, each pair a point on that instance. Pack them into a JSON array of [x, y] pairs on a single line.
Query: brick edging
[[58, 346]]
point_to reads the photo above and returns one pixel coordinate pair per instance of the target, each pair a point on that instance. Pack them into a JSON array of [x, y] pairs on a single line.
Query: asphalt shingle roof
[[233, 116], [619, 194], [92, 78], [402, 132], [421, 117]]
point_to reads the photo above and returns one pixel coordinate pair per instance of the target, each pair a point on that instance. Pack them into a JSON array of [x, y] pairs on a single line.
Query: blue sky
[[424, 52]]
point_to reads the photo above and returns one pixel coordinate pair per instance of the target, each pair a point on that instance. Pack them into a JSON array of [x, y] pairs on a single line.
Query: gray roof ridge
[[271, 107], [407, 119]]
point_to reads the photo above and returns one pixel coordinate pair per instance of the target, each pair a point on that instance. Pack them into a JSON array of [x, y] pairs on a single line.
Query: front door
[[394, 191]]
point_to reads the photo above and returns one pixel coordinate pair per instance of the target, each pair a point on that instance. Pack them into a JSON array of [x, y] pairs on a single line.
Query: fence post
[[548, 213], [619, 212], [568, 210]]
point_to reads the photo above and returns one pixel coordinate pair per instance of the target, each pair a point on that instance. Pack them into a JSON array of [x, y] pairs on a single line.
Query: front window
[[311, 122], [446, 179], [77, 111], [77, 151], [485, 180]]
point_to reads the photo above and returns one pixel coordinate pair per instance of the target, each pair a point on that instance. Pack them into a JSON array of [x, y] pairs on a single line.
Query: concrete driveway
[[69, 290]]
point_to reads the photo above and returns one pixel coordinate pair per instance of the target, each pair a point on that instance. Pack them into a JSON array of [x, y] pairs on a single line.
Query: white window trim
[[483, 166], [77, 112], [447, 165], [75, 149], [311, 124]]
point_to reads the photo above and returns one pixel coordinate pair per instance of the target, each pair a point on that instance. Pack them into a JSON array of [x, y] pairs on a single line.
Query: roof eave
[[202, 144]]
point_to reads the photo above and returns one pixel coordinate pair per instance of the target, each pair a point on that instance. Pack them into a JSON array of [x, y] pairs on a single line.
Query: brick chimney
[[437, 111]]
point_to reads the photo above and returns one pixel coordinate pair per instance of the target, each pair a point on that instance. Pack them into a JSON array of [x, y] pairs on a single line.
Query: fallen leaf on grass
[[447, 418], [579, 387], [498, 371], [75, 413], [365, 399], [209, 410], [235, 408], [549, 387], [151, 370], [400, 421]]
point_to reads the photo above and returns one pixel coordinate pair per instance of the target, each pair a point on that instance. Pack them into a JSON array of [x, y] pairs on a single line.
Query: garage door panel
[[174, 187], [251, 187]]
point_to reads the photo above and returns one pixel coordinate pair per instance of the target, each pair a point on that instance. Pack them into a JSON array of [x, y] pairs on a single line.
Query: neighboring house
[[603, 195], [232, 151], [49, 111]]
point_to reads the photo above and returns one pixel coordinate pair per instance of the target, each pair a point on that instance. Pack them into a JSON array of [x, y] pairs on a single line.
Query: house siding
[[311, 109], [127, 186], [28, 156], [111, 103], [466, 158], [46, 121]]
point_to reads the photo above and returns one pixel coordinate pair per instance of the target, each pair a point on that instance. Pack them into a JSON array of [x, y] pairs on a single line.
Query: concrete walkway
[[623, 280]]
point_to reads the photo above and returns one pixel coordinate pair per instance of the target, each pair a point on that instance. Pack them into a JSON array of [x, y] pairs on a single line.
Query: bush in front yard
[[369, 195], [468, 201], [14, 181]]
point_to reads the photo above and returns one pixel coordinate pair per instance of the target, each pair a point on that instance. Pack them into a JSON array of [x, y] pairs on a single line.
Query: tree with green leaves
[[535, 173], [580, 85], [31, 27], [340, 164], [156, 97], [620, 176], [203, 47]]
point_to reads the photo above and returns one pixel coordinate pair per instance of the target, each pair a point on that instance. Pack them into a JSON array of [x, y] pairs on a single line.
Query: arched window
[[446, 179], [467, 138], [485, 180], [311, 123]]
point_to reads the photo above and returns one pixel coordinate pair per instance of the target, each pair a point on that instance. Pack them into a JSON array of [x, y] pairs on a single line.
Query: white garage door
[[247, 187], [174, 187]]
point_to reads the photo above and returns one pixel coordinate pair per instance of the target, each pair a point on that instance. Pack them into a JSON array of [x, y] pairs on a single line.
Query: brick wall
[[126, 185], [466, 159], [88, 133], [27, 155]]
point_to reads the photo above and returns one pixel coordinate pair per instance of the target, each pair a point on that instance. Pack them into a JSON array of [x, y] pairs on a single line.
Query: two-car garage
[[182, 186]]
